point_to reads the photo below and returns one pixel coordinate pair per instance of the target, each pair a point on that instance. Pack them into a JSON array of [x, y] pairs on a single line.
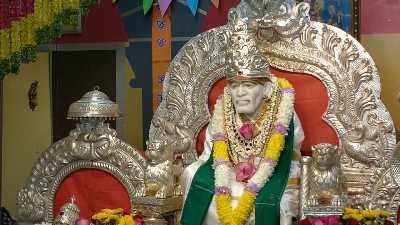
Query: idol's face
[[247, 96]]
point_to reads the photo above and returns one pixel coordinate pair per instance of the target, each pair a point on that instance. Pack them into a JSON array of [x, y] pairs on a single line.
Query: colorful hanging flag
[[160, 51], [147, 5], [163, 4], [192, 4], [215, 3]]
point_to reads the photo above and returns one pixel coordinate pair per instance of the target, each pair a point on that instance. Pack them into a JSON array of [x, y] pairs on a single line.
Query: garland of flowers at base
[[18, 42], [115, 217], [222, 164]]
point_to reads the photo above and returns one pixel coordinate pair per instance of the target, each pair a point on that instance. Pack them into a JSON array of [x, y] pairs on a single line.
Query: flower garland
[[363, 216], [223, 166], [117, 217], [42, 23], [351, 217]]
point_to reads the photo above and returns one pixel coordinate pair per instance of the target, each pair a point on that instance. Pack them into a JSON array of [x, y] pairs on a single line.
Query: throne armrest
[[305, 167], [322, 191]]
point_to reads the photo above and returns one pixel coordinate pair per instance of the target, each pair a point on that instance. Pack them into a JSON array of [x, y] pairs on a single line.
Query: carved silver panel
[[293, 43], [98, 149], [355, 111], [194, 70]]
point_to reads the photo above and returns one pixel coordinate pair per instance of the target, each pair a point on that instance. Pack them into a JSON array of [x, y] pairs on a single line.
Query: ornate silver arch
[[293, 43], [99, 149]]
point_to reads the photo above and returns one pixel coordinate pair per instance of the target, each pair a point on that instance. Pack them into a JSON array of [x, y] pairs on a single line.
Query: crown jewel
[[243, 58]]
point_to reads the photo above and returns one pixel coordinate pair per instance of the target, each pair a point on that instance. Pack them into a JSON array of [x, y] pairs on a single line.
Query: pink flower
[[82, 221], [245, 170], [246, 130], [321, 220], [138, 219]]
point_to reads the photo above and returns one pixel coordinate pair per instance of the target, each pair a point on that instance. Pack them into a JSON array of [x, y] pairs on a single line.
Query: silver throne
[[91, 145], [293, 43]]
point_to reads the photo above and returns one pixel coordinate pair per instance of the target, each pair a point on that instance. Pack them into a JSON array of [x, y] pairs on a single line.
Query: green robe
[[267, 204]]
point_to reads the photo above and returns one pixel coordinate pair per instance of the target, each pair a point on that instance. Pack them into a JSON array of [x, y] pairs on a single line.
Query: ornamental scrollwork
[[293, 43], [99, 148], [355, 109]]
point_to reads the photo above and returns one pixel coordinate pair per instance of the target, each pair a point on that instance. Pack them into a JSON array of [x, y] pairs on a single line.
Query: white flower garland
[[224, 171]]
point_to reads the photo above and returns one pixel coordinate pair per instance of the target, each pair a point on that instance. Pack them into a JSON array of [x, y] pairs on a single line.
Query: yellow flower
[[126, 220], [106, 215], [113, 211], [5, 43], [221, 150], [384, 213], [357, 217], [243, 210], [224, 208], [284, 83], [371, 214], [375, 213], [367, 214], [351, 211], [275, 146], [240, 214]]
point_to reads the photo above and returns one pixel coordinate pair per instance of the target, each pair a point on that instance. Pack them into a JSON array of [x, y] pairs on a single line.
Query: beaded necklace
[[243, 149]]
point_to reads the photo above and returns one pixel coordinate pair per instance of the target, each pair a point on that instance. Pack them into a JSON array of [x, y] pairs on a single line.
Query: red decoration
[[94, 190], [138, 219], [12, 10], [5, 14], [103, 24], [322, 220]]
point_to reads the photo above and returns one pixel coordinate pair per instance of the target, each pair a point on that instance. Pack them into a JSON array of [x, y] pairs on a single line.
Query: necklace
[[222, 159], [241, 149]]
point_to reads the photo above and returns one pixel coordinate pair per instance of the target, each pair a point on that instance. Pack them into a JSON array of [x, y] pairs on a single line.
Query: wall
[[380, 35], [133, 110], [26, 133], [385, 50]]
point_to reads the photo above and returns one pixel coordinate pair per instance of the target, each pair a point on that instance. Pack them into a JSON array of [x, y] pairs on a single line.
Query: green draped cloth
[[267, 204]]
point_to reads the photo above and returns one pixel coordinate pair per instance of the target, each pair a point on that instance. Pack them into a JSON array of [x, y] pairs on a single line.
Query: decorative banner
[[147, 5], [161, 52], [163, 4], [192, 4]]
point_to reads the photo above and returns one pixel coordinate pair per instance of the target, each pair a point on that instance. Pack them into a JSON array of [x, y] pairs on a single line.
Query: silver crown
[[243, 58], [93, 104]]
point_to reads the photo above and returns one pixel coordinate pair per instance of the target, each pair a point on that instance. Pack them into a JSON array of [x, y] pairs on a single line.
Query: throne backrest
[[354, 111], [79, 158]]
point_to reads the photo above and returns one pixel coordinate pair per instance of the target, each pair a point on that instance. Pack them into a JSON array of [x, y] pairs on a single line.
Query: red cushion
[[310, 104], [94, 190]]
